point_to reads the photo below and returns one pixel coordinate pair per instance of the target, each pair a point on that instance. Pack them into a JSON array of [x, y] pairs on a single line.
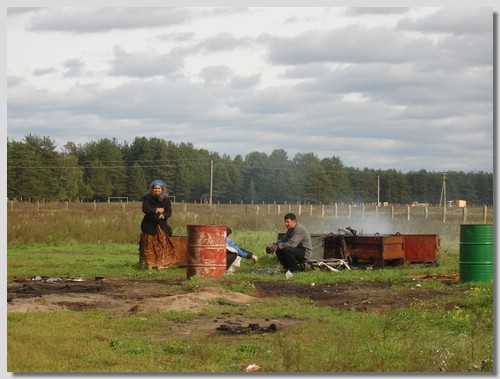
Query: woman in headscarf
[[155, 247]]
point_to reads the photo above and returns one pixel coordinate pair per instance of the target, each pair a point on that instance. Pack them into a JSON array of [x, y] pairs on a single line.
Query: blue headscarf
[[157, 183]]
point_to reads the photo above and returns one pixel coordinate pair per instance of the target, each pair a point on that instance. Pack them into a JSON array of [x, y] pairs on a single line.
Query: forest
[[39, 170]]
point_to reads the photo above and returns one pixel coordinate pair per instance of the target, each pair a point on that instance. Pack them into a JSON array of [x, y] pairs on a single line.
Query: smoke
[[363, 225], [371, 224]]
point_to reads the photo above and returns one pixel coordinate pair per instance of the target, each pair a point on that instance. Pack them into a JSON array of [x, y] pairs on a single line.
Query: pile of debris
[[327, 264], [53, 279], [250, 329]]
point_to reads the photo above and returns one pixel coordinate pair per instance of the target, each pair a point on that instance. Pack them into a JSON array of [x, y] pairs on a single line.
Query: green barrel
[[476, 253]]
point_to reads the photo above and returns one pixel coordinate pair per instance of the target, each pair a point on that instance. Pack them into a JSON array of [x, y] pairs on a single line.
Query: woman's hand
[[160, 212]]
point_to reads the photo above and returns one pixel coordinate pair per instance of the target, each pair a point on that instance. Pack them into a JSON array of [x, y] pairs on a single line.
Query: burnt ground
[[363, 295], [127, 296], [52, 293]]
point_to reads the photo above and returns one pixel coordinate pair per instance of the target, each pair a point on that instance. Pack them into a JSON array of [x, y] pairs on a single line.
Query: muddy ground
[[126, 296]]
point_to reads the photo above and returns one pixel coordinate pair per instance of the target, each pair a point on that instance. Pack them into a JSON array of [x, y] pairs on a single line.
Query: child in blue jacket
[[234, 253]]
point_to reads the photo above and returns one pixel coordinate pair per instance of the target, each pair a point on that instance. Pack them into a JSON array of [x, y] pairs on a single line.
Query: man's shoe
[[255, 258], [288, 274]]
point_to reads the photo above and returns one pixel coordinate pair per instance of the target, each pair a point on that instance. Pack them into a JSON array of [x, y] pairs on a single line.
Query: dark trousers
[[289, 257], [230, 258]]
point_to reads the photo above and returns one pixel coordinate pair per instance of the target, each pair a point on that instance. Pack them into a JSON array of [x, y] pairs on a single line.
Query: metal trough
[[318, 244], [180, 246], [380, 250], [422, 248]]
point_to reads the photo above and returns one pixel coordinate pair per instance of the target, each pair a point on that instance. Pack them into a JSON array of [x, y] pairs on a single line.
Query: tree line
[[38, 171]]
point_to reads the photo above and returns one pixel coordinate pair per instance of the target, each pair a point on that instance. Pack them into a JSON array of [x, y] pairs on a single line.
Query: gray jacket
[[297, 237]]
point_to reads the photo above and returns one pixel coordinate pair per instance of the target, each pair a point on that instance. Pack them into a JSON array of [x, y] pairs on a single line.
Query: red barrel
[[206, 251]]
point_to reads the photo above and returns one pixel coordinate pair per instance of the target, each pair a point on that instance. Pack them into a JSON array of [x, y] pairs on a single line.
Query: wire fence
[[480, 214]]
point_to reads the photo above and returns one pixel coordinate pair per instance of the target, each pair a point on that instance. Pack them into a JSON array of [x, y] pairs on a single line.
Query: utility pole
[[442, 200], [378, 190], [211, 181]]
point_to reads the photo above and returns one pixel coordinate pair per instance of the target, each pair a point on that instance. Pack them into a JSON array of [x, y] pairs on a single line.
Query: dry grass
[[119, 222]]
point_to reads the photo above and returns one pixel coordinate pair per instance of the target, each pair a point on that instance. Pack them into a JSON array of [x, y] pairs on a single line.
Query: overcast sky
[[383, 88]]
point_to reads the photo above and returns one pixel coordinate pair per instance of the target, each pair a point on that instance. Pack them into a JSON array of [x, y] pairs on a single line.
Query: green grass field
[[452, 331]]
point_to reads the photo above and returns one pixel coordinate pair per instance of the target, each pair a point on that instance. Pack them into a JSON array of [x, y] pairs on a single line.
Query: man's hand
[[271, 248]]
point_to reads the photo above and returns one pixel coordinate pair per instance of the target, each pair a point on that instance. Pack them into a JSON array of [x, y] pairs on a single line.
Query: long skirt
[[157, 250]]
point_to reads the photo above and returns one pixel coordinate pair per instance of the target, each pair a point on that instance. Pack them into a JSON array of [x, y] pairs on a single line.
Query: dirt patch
[[117, 295], [43, 294], [361, 295], [124, 297]]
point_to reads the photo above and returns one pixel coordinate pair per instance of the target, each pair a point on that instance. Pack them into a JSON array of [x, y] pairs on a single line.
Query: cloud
[[144, 64], [14, 81], [216, 74], [73, 67], [93, 20], [44, 71], [454, 20], [176, 37], [221, 42], [347, 45], [379, 88], [244, 82]]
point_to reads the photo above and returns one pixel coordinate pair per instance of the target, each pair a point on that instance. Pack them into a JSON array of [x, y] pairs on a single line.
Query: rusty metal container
[[381, 250], [206, 251], [180, 246], [318, 244], [332, 246], [422, 248]]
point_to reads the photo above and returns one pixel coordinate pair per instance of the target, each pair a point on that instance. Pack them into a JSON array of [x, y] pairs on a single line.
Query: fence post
[[322, 210], [408, 212], [444, 213], [363, 211], [300, 208], [349, 209], [268, 209], [464, 214], [67, 203], [279, 209], [392, 211], [426, 212], [95, 205], [310, 210], [336, 210], [485, 213]]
